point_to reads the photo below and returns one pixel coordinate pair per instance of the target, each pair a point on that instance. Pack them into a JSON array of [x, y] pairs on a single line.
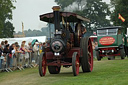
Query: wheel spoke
[[89, 54], [88, 46], [89, 63]]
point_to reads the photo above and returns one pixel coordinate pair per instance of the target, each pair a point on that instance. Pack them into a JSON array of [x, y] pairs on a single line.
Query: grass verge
[[114, 72]]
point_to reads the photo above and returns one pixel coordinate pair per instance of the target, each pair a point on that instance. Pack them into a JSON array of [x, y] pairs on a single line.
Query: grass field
[[114, 72]]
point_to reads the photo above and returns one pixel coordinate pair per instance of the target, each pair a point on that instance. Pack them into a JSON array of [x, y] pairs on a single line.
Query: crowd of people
[[17, 56]]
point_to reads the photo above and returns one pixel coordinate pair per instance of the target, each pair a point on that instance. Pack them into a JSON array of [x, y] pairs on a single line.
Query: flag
[[120, 17]]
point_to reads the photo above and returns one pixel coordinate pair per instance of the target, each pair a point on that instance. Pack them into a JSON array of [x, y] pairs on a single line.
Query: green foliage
[[113, 3], [121, 7], [95, 10], [64, 3], [6, 27], [8, 30]]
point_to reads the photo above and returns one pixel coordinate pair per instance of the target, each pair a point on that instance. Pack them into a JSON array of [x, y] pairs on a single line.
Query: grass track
[[114, 72]]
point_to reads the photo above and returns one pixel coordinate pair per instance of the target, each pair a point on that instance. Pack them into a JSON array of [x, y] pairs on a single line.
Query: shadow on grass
[[62, 74], [65, 74]]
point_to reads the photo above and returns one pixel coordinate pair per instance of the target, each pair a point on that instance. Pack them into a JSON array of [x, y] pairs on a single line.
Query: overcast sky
[[28, 11]]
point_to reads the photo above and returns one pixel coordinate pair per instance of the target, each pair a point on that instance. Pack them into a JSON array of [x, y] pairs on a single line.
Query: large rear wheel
[[75, 64], [87, 58], [54, 69], [42, 65]]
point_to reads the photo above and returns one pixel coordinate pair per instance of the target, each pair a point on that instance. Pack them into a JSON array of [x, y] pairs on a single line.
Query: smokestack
[[56, 12]]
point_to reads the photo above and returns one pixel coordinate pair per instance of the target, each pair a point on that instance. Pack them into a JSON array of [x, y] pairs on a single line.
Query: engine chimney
[[56, 13]]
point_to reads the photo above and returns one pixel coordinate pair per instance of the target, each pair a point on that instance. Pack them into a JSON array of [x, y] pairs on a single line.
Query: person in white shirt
[[36, 52]]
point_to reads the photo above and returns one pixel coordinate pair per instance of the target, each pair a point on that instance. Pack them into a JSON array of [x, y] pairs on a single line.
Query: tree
[[121, 7], [114, 3], [95, 10], [8, 30], [64, 3], [6, 27]]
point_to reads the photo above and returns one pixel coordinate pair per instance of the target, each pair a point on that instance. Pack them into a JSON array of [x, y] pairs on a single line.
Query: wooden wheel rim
[[44, 65], [77, 65]]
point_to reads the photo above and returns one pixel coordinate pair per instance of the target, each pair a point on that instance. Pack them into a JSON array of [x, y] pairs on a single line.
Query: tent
[[27, 39]]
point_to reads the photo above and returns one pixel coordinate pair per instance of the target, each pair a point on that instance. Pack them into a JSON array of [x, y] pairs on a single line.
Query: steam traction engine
[[67, 47]]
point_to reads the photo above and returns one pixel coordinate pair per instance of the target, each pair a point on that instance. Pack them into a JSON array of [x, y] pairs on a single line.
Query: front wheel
[[122, 53], [42, 65], [75, 64], [98, 56]]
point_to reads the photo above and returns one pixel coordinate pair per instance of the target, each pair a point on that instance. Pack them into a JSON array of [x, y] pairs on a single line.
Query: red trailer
[[66, 47]]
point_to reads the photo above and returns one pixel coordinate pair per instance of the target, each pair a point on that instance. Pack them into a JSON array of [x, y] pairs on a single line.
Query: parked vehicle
[[110, 43]]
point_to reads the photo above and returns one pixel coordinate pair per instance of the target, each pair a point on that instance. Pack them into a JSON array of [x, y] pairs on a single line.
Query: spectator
[[12, 48], [18, 58], [96, 45], [40, 47], [30, 50], [30, 46], [1, 50], [16, 43], [1, 56], [2, 44], [93, 45], [43, 47], [15, 52], [5, 43], [23, 42], [6, 52], [36, 52], [6, 49], [11, 54], [23, 53]]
